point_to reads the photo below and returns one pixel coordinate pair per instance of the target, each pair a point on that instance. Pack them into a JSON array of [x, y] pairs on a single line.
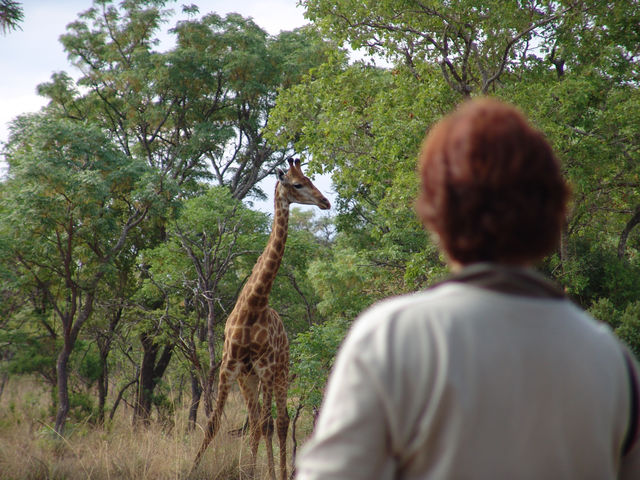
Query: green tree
[[625, 322], [572, 66], [586, 102], [245, 68], [195, 111], [110, 317], [69, 206], [476, 46]]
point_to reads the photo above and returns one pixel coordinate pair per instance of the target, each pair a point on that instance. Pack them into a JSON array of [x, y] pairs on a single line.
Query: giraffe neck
[[258, 286]]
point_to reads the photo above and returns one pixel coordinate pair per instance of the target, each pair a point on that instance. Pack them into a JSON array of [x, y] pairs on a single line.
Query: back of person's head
[[492, 189]]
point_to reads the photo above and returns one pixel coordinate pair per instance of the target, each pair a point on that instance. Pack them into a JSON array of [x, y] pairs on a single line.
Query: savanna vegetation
[[127, 218]]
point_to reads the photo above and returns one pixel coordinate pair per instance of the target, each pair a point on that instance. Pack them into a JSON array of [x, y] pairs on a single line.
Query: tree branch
[[624, 236]]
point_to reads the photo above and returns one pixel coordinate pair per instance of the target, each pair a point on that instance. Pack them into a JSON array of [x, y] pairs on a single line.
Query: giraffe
[[256, 348]]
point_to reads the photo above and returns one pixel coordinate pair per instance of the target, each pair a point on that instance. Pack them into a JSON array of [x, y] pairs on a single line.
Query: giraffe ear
[[281, 175]]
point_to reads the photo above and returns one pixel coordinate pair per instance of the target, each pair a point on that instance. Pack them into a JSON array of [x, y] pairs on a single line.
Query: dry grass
[[30, 450]]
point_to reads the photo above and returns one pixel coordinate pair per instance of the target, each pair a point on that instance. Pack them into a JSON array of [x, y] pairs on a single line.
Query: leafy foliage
[[561, 62], [312, 354], [625, 322]]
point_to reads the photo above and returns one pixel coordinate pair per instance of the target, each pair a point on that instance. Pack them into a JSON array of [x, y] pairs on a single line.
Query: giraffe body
[[256, 347]]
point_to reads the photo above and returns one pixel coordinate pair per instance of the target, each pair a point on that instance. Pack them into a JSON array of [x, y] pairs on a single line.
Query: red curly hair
[[492, 188]]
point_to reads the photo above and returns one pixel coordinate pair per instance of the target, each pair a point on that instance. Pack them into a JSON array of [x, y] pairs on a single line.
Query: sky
[[30, 55]]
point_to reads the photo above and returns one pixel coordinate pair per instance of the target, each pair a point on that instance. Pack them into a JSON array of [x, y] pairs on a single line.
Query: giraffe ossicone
[[256, 347]]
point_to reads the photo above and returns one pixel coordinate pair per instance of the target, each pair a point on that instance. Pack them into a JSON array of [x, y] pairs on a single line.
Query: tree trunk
[[196, 394], [150, 373], [209, 383], [103, 385], [294, 450], [63, 386], [211, 325], [104, 345], [4, 378], [142, 407], [564, 246], [624, 236], [70, 331], [119, 397], [211, 345]]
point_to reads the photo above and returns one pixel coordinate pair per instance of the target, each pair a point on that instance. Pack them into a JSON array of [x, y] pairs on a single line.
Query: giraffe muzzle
[[324, 204]]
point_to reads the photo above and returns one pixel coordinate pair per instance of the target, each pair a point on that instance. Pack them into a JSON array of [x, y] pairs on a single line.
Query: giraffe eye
[[297, 185]]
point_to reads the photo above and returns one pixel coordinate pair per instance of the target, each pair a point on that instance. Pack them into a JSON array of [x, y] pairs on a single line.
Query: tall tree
[[69, 206], [571, 65], [195, 111], [364, 124]]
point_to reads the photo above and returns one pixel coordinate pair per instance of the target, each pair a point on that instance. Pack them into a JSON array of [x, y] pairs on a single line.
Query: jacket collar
[[507, 279]]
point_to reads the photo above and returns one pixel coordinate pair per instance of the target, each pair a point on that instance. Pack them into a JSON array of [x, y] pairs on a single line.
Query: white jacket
[[462, 382]]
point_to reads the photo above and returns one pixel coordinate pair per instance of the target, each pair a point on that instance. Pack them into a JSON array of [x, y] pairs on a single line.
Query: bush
[[624, 322], [312, 355]]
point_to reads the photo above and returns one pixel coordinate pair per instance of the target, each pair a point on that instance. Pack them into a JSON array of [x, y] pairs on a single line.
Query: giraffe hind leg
[[280, 391], [227, 376]]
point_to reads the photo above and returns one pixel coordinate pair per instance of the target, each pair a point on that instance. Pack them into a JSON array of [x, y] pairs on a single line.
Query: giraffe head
[[297, 188]]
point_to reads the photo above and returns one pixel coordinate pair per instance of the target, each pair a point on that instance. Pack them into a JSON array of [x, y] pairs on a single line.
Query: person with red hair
[[493, 373]]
